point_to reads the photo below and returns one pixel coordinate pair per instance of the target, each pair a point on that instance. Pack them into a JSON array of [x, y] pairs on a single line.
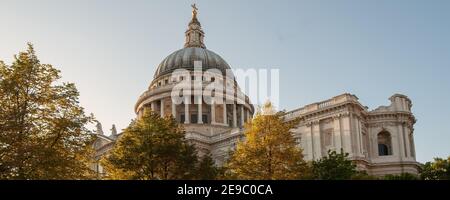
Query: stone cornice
[[407, 117], [347, 108]]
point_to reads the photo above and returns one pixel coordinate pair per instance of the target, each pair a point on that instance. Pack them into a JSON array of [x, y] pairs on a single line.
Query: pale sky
[[372, 49]]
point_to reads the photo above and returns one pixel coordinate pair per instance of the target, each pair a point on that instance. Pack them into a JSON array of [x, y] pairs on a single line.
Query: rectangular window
[[166, 81], [194, 118], [205, 118], [182, 118]]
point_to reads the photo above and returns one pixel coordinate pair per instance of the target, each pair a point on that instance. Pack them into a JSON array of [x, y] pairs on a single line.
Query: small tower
[[113, 131], [400, 102], [194, 33], [99, 129]]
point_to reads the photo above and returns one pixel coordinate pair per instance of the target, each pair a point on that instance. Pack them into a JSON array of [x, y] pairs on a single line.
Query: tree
[[43, 132], [269, 150], [402, 176], [206, 169], [334, 166], [437, 170], [151, 148], [363, 175]]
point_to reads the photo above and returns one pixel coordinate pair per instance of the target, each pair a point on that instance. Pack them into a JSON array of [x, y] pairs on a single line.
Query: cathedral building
[[379, 141]]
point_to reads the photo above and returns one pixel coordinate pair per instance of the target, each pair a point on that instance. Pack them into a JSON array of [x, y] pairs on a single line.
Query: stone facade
[[380, 141]]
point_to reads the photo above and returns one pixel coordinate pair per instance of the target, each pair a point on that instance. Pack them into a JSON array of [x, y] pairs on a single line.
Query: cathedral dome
[[184, 59], [194, 50]]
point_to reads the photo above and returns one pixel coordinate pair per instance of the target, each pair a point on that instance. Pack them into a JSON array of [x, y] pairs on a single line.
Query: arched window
[[383, 150], [384, 144]]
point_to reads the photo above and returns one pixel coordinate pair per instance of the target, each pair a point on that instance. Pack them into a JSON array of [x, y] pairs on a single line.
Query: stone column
[[373, 144], [234, 115], [200, 113], [354, 134], [186, 112], [346, 135], [225, 121], [153, 106], [400, 145], [242, 116], [316, 139], [162, 107], [309, 142], [413, 147], [358, 136], [337, 134], [139, 114], [404, 105], [406, 138], [361, 138], [213, 113], [174, 110], [248, 115]]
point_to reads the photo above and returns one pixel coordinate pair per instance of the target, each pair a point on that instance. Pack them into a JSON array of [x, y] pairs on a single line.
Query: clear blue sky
[[323, 48]]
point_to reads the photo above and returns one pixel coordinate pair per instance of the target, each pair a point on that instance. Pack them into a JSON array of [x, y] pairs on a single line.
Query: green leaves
[[402, 176], [335, 166], [42, 127], [437, 170], [206, 169], [152, 148]]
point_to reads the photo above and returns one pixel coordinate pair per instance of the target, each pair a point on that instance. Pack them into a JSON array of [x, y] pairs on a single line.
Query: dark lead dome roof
[[184, 59]]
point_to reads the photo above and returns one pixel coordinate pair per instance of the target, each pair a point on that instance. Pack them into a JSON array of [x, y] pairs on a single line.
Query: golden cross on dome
[[194, 10]]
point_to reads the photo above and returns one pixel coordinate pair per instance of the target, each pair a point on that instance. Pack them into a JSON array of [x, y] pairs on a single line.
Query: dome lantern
[[194, 33]]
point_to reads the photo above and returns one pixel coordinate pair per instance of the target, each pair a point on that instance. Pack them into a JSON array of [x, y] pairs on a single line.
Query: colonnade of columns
[[245, 114]]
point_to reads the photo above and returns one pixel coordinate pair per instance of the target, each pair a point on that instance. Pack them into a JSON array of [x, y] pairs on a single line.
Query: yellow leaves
[[268, 152], [42, 125]]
